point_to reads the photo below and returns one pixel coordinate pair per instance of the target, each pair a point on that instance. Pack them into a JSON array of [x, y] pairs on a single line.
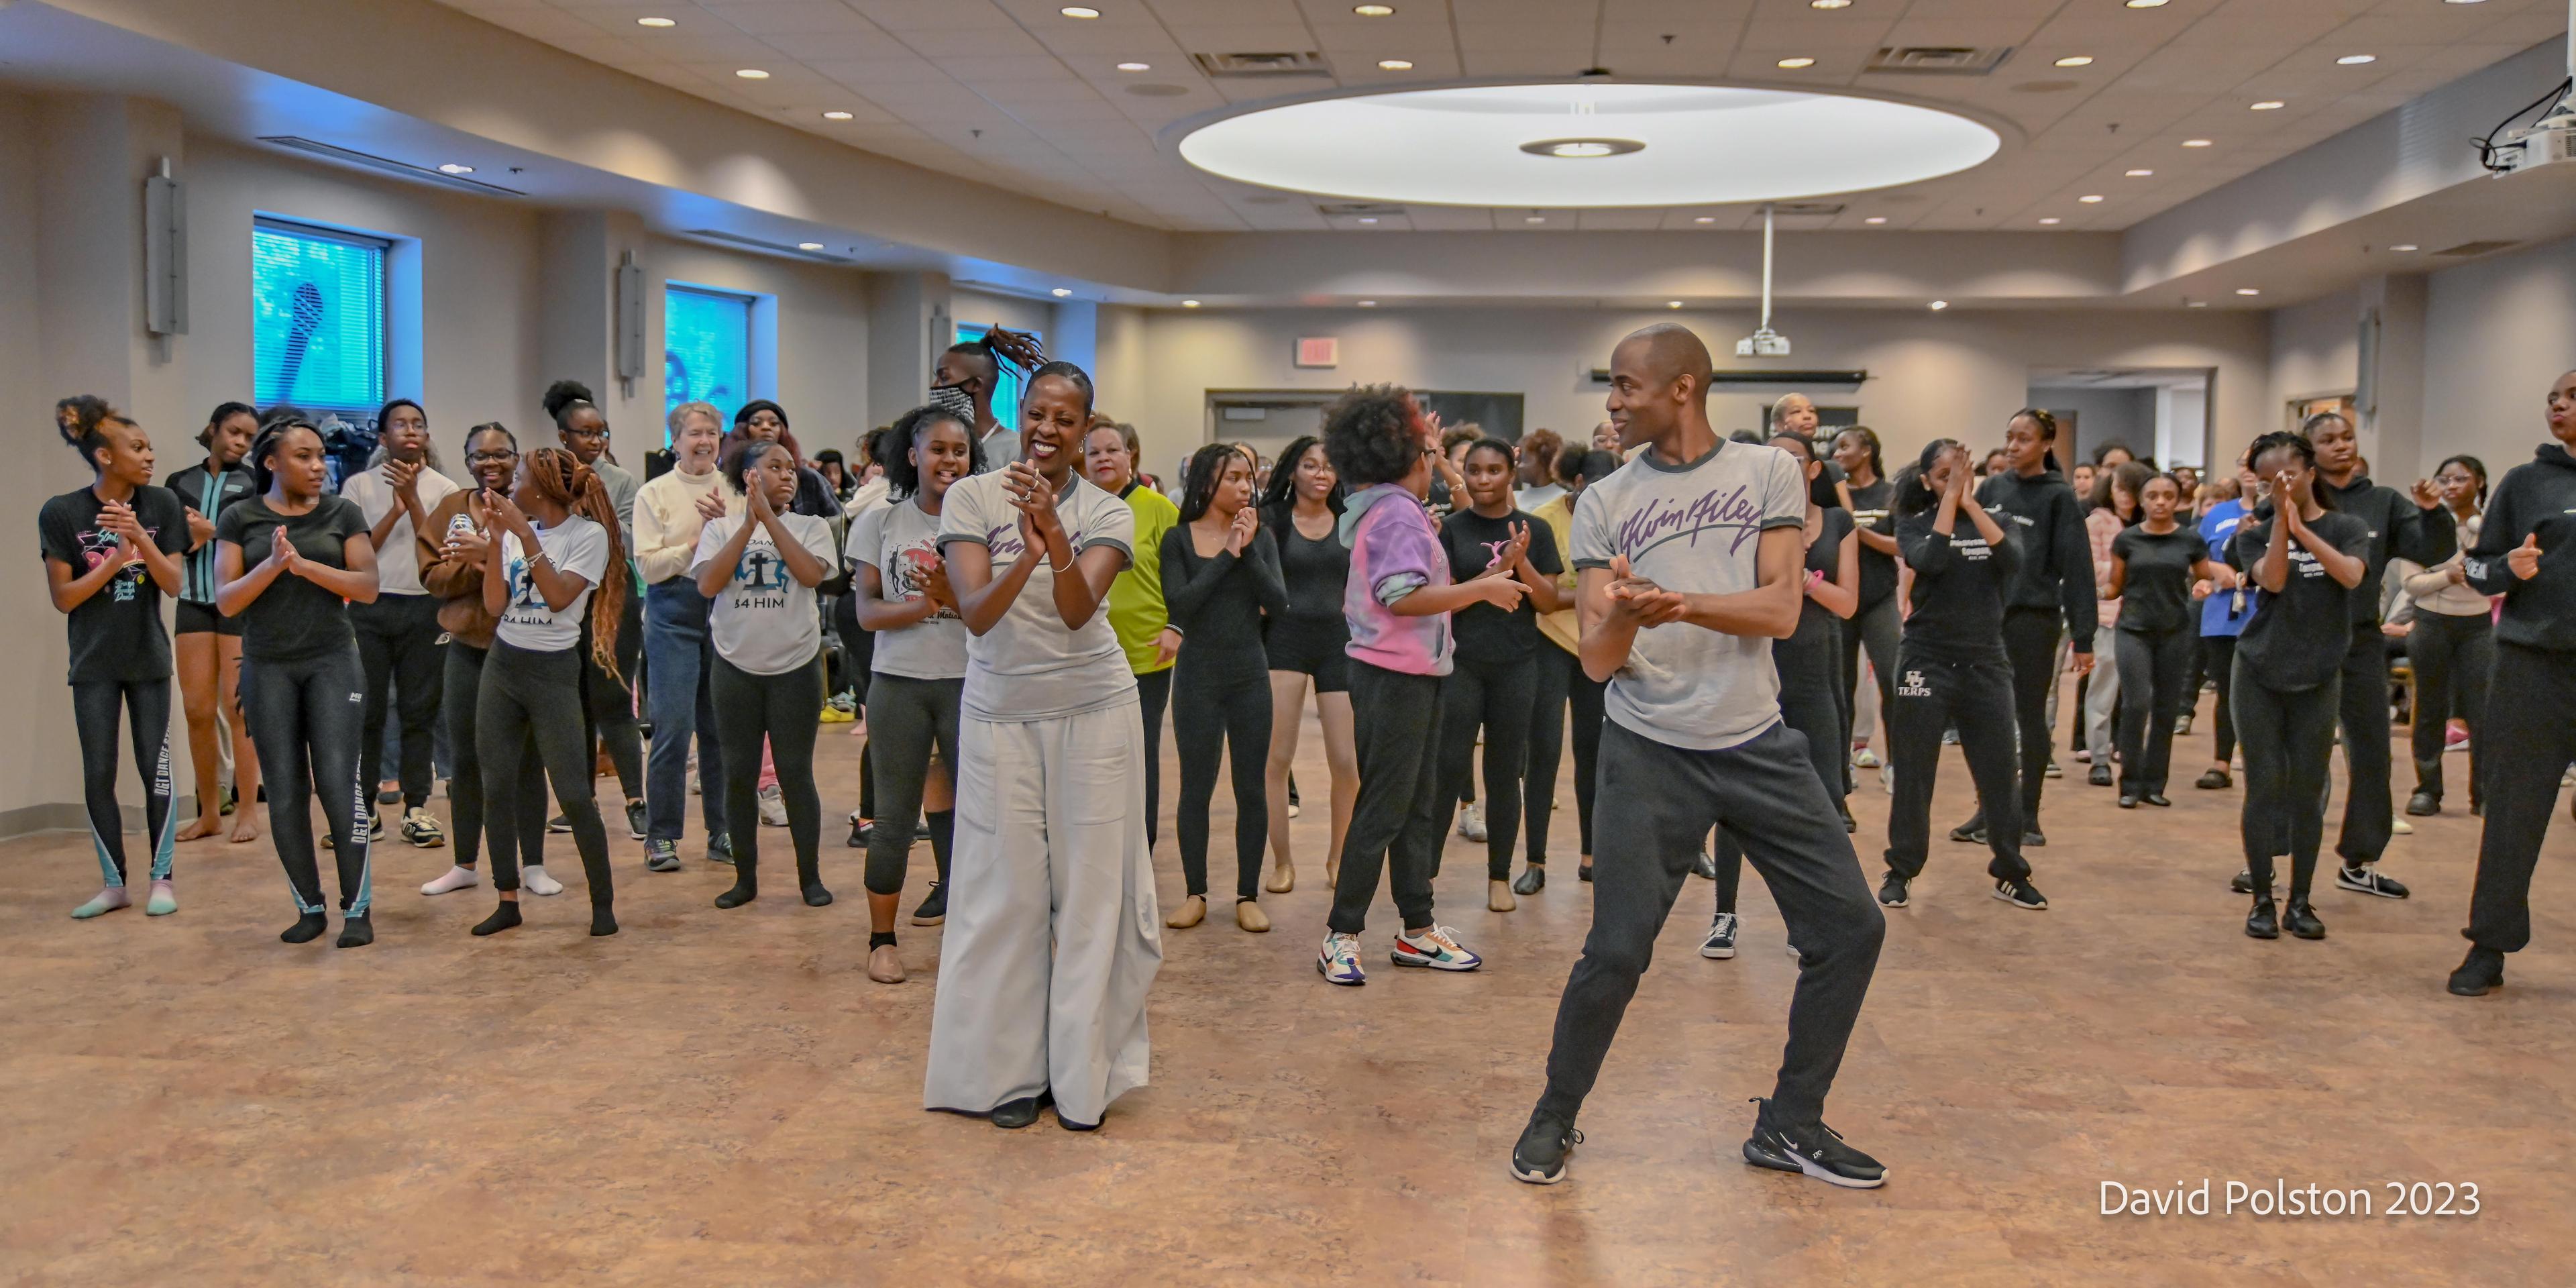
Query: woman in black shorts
[[1301, 512], [209, 643]]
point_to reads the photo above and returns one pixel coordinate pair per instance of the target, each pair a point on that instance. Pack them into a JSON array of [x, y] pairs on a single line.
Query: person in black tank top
[[209, 643], [1301, 513], [1878, 623]]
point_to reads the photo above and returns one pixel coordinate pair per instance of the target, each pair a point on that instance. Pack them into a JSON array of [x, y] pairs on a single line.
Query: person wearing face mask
[[1050, 944], [1137, 612], [2452, 646], [670, 512], [2306, 560], [2222, 619], [969, 372], [398, 633], [1219, 578], [2526, 552], [111, 550], [209, 643], [452, 550], [2412, 525], [2151, 574], [608, 705]]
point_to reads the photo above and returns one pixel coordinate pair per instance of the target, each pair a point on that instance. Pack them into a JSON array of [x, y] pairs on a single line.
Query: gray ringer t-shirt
[[1029, 667], [1693, 528]]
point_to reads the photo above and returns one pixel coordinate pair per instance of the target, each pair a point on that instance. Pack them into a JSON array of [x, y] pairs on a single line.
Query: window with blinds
[[318, 320], [706, 348]]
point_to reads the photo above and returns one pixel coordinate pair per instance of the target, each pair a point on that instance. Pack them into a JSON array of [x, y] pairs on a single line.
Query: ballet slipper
[[1192, 911]]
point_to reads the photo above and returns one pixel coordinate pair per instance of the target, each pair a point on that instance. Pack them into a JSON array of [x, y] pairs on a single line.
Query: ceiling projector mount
[[1764, 342]]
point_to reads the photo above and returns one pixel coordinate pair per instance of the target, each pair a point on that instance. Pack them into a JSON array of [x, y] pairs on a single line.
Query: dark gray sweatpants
[[1658, 802]]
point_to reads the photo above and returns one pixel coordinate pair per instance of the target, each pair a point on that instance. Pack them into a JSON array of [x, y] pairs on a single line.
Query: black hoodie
[[2056, 571], [2398, 527], [2538, 498]]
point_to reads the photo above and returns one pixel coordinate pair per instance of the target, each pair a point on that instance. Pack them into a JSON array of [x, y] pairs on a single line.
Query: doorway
[[2159, 414]]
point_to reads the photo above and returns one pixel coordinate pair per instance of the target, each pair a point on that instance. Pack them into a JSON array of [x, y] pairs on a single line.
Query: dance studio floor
[[723, 1097]]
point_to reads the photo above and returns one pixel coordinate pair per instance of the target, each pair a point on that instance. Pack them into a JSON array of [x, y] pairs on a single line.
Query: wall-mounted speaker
[[630, 322], [165, 254]]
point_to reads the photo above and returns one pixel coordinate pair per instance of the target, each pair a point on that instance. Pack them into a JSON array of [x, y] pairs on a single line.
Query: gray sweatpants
[[1052, 937], [1656, 803]]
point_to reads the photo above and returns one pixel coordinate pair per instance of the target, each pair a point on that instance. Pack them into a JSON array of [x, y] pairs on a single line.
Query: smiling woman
[[1656, 145]]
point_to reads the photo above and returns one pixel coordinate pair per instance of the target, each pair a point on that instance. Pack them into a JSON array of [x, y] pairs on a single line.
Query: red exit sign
[[1319, 351]]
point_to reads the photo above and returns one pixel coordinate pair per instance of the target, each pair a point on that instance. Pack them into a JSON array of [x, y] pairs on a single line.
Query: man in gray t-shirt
[[1690, 562]]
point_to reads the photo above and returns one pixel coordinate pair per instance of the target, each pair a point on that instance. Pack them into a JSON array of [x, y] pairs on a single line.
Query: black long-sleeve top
[[2399, 528], [1216, 602], [2535, 498], [2055, 568], [1960, 584]]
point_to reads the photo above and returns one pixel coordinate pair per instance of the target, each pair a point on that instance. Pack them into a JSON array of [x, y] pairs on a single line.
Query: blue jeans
[[677, 657]]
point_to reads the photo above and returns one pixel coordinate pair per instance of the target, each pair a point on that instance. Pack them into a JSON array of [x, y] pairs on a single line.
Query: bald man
[[1688, 561]]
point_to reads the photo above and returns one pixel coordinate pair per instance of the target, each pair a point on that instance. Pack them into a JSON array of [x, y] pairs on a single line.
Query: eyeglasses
[[490, 458]]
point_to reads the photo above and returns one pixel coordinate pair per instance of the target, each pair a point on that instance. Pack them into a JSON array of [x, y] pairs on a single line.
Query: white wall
[[2102, 416], [2498, 332], [1958, 374], [2316, 353]]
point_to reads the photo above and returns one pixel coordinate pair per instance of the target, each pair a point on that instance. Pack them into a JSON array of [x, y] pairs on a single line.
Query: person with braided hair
[[608, 691], [969, 372], [112, 549], [556, 574]]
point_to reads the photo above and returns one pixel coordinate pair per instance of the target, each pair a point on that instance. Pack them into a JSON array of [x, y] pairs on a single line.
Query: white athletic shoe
[[773, 807], [1471, 823]]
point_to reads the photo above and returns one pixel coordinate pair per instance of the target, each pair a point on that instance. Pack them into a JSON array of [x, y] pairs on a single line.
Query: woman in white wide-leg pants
[[1051, 942]]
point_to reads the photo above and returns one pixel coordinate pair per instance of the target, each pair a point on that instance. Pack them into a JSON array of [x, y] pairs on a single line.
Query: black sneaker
[[1892, 892], [2263, 922], [2099, 775], [2482, 970], [2244, 882], [1972, 832], [2423, 804], [934, 909], [2020, 893], [559, 824], [2366, 880], [720, 849], [1818, 1151], [635, 820], [2301, 920], [1533, 879], [2034, 839], [1583, 872], [2214, 780], [1539, 1158]]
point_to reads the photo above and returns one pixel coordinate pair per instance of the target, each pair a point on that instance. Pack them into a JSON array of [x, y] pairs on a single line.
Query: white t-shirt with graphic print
[[1029, 667], [764, 620], [898, 540], [575, 546]]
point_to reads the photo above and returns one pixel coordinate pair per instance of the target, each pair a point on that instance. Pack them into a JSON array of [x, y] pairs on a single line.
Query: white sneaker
[[773, 807], [1864, 758], [535, 880], [1471, 823], [1436, 949], [1339, 961], [456, 879]]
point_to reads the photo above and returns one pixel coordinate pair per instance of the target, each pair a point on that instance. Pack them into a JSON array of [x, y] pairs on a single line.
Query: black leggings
[[1585, 699], [608, 711], [2289, 739], [2521, 787], [398, 651], [1224, 706], [147, 708], [2452, 658], [303, 718], [2030, 647], [1977, 698], [906, 719], [519, 827], [2152, 667], [1552, 683], [1153, 694], [783, 709], [529, 694], [2219, 660], [1399, 817], [1811, 696], [1495, 696]]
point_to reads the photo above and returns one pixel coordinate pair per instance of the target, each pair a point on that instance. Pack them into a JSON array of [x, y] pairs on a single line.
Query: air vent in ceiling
[[1307, 63], [351, 156], [1351, 209], [1152, 90], [1938, 60], [2467, 250], [777, 248]]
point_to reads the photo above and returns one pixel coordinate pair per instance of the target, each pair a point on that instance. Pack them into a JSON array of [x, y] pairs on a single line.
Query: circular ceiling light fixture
[[1497, 145], [2146, 4]]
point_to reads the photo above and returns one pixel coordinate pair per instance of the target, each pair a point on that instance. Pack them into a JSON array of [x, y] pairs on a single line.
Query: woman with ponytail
[[556, 580], [288, 562], [608, 687], [111, 551]]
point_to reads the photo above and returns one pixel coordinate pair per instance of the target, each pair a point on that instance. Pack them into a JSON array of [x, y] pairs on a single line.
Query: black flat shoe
[[1012, 1115], [2128, 802], [2034, 839], [2423, 805], [1583, 873], [1532, 880], [2157, 799], [2215, 780]]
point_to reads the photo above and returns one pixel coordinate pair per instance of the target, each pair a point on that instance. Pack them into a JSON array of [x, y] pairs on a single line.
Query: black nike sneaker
[[1539, 1158], [1818, 1151]]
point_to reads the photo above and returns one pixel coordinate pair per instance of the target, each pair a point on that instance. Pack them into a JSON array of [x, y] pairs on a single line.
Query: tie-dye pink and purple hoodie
[[1395, 551]]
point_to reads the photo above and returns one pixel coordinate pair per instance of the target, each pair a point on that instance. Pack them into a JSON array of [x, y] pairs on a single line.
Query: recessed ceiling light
[[836, 116], [1875, 219], [1368, 304], [1061, 292], [1793, 64], [2195, 143], [809, 245], [1672, 304], [1374, 10], [1395, 64], [2268, 105], [2140, 174], [2052, 219], [1938, 305], [1189, 304], [1577, 148], [2463, 1], [1079, 11], [752, 73], [1829, 4], [2195, 304], [1705, 219], [1135, 67], [2405, 246], [2356, 60], [453, 168], [2146, 4], [1368, 219], [2247, 290], [2091, 199], [1533, 219], [655, 22], [2076, 60]]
